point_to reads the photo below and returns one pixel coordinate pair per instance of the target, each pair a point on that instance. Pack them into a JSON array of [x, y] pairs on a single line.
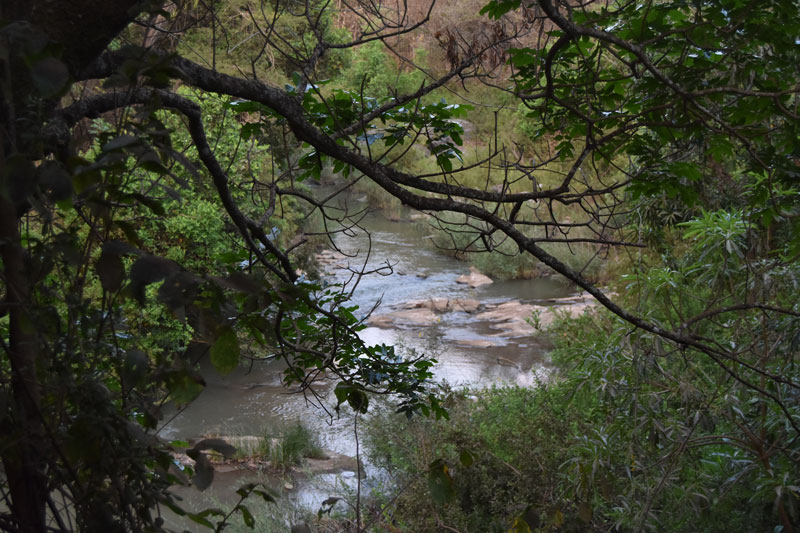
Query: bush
[[502, 448]]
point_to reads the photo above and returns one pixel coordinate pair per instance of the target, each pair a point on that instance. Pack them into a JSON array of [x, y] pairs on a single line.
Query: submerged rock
[[516, 319], [329, 257], [475, 343], [334, 463], [424, 312], [407, 317], [512, 310], [445, 305], [474, 278], [504, 361], [510, 318]]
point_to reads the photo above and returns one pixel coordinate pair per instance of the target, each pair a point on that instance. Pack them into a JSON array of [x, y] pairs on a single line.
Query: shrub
[[503, 450]]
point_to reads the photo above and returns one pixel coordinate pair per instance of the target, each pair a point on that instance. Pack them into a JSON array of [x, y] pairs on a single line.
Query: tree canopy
[[641, 121]]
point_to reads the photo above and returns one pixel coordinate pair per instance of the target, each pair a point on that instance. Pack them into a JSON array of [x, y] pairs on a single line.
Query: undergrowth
[[609, 443]]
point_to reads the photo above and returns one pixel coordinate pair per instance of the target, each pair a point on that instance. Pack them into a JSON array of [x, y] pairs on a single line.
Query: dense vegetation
[[627, 437], [168, 168]]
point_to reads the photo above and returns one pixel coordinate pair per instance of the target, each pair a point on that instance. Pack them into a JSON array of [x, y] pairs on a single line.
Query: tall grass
[[291, 446]]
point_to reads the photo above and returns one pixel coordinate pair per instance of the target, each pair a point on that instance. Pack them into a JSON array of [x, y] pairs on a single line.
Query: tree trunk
[[23, 455], [83, 28]]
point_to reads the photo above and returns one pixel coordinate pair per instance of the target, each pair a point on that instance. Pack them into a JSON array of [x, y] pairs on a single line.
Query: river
[[251, 401]]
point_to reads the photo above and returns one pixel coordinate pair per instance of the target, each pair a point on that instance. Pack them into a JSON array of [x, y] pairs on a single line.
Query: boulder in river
[[445, 305], [333, 463], [475, 343], [424, 312], [510, 318], [474, 278], [419, 316], [329, 257]]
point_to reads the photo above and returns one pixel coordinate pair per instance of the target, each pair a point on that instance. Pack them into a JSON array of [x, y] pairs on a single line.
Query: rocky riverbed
[[510, 319], [483, 333]]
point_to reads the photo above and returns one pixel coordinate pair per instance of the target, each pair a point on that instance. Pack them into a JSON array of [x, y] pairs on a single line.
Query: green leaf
[[440, 483], [152, 164], [247, 106], [200, 520], [522, 57], [686, 170], [183, 386], [497, 8], [225, 352], [250, 129], [467, 459], [445, 163], [341, 391], [721, 149], [519, 526], [247, 516], [358, 400]]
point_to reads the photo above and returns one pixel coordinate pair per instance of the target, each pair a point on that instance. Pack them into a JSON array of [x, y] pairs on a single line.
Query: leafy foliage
[[169, 232], [133, 275]]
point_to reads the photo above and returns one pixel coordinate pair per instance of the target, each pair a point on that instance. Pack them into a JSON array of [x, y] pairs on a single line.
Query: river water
[[251, 401]]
